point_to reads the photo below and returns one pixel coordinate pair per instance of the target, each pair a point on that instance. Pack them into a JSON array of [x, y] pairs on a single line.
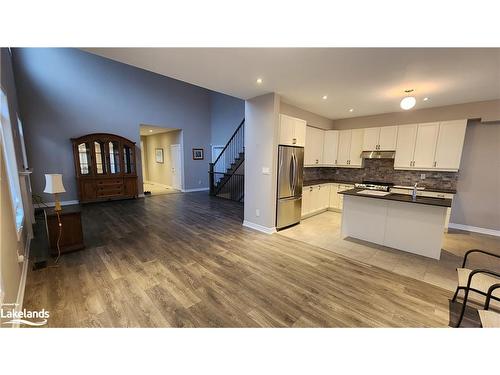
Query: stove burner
[[374, 185]]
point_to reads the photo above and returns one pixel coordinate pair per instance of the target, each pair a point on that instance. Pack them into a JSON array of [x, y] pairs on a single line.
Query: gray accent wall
[[312, 119], [226, 113], [477, 203], [65, 93]]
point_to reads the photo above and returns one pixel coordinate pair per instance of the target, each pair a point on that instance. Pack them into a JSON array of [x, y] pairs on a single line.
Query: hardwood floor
[[184, 260]]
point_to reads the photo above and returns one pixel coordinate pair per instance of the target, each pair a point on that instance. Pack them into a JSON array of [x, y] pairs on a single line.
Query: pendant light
[[409, 101]]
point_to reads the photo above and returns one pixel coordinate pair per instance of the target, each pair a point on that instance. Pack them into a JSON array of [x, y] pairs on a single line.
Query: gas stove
[[374, 185]]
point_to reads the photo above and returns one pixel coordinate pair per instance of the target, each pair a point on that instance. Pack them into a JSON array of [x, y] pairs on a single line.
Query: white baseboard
[[259, 227], [24, 275], [193, 190], [141, 195], [469, 228], [52, 204]]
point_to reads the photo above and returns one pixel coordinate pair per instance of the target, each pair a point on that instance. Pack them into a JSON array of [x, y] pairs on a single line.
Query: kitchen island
[[395, 220]]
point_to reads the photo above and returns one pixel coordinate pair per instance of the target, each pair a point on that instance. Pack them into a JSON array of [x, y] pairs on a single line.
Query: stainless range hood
[[378, 154]]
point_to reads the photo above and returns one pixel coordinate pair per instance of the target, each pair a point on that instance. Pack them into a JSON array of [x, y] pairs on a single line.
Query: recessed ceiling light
[[408, 102], [150, 130], [325, 97], [425, 99], [259, 81], [351, 110]]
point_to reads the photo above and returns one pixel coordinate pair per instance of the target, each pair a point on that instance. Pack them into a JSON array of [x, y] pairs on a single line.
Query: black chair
[[479, 281], [489, 319]]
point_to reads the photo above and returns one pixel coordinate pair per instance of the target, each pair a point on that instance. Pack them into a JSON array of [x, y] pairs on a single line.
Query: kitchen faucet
[[414, 195]]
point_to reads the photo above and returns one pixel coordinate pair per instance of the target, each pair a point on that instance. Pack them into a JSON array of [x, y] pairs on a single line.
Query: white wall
[[261, 151]]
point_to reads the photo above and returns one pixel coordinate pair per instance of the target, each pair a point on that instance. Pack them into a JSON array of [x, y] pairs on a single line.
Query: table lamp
[[54, 185]]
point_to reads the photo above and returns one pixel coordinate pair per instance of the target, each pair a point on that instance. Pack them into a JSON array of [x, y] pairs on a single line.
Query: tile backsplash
[[382, 170]]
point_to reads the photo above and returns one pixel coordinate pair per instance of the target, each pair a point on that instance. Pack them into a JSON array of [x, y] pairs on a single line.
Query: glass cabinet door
[[114, 157], [100, 154], [128, 160], [84, 158]]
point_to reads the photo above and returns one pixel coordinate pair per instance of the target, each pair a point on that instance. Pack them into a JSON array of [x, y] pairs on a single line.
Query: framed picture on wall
[[159, 155], [198, 154]]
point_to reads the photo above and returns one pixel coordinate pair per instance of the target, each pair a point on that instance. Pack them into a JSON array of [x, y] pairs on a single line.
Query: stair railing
[[232, 152]]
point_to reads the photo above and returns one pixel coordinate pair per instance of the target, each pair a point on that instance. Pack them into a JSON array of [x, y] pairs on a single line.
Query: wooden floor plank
[[185, 260]]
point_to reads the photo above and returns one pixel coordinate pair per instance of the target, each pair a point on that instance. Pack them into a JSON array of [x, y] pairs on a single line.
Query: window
[[11, 162]]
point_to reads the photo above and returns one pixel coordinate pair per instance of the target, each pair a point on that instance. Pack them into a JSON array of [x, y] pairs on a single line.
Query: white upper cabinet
[[425, 145], [344, 147], [313, 153], [356, 148], [380, 139], [388, 137], [405, 146], [370, 139], [449, 144], [350, 148], [430, 146], [330, 147], [292, 131]]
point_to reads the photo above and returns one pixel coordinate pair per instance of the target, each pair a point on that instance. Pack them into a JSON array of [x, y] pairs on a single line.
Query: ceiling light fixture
[[259, 81], [425, 99], [325, 97], [150, 130], [408, 102], [351, 110]]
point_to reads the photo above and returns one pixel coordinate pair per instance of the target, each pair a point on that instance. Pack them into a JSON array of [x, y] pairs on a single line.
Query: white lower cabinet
[[319, 198]]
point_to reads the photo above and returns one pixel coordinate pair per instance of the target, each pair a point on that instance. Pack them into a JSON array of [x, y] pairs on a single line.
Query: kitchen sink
[[377, 193]]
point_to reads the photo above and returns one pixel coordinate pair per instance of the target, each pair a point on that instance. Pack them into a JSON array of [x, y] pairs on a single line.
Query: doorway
[[161, 154], [216, 151]]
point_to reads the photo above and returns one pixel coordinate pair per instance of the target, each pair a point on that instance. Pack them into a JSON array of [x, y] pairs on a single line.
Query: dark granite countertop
[[329, 181], [442, 202]]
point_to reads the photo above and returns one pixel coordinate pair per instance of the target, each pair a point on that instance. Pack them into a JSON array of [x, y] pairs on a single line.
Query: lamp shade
[[54, 184]]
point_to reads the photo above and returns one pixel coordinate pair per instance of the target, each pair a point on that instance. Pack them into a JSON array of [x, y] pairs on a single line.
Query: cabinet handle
[[335, 161], [294, 140], [435, 163]]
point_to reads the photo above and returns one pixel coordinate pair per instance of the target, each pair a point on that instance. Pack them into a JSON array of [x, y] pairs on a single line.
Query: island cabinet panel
[[364, 218], [105, 167], [449, 145], [425, 145], [405, 224]]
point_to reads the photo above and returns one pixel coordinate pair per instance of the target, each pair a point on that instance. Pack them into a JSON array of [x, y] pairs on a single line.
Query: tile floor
[[158, 189], [323, 230]]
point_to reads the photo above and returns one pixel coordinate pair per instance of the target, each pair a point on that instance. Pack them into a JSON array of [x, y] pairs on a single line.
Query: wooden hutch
[[105, 167]]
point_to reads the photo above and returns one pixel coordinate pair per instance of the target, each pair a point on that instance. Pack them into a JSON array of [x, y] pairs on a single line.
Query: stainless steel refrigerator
[[290, 178]]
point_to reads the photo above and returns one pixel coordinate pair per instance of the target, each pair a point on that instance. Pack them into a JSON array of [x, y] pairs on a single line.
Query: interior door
[[405, 146], [425, 145], [175, 157]]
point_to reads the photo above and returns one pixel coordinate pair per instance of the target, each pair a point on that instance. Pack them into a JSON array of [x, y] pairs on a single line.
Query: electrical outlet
[[422, 176], [257, 212], [199, 182]]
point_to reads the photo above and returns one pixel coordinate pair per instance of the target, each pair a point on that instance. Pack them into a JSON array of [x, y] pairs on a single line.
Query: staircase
[[226, 173]]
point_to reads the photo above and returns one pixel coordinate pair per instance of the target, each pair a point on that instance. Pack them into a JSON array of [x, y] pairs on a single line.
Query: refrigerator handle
[[294, 178], [290, 175]]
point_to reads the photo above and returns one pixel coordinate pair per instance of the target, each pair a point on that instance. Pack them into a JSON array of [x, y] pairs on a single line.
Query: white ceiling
[[146, 130], [369, 80]]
